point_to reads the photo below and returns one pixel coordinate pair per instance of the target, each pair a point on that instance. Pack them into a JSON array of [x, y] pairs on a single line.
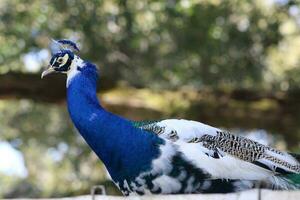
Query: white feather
[[163, 162], [187, 129], [167, 184], [227, 166], [77, 62]]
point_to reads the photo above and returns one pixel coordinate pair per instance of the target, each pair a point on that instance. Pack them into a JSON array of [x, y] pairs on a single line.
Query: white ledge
[[246, 195]]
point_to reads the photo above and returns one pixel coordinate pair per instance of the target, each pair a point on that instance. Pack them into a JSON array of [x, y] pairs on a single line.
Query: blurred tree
[[162, 44]]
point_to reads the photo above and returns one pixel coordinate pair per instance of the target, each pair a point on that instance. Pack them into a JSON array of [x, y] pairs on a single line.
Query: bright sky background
[[34, 60], [11, 161]]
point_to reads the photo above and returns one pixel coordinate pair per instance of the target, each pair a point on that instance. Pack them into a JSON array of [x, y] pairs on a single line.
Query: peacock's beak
[[48, 71]]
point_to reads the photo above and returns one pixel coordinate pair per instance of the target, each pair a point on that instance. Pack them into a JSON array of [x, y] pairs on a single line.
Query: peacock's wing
[[222, 154]]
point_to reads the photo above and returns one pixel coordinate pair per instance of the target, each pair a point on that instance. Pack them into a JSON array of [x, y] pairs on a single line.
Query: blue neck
[[125, 150]]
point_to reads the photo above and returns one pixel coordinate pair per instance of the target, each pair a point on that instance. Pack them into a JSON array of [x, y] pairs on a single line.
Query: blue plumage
[[68, 43], [125, 150]]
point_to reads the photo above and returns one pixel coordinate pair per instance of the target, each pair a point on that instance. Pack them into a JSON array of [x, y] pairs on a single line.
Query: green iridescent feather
[[140, 124]]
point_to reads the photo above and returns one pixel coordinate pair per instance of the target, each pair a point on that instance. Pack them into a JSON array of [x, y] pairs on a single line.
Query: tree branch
[[52, 89]]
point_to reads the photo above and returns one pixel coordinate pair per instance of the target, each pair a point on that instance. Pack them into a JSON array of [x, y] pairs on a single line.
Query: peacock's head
[[61, 62]]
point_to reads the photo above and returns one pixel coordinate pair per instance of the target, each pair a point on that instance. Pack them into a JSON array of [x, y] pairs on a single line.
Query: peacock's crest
[[65, 44]]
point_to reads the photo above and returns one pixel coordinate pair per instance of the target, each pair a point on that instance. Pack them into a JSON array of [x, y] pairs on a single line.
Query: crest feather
[[67, 44]]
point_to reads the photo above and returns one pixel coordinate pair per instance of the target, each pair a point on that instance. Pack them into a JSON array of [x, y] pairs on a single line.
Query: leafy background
[[229, 63]]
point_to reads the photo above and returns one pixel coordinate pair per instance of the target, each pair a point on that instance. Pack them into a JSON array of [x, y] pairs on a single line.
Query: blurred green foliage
[[157, 44], [58, 161], [218, 43]]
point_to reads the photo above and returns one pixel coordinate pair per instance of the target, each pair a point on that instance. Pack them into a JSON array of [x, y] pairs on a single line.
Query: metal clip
[[96, 189]]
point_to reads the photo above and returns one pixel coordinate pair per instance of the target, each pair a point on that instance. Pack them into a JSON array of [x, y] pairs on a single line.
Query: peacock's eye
[[60, 60]]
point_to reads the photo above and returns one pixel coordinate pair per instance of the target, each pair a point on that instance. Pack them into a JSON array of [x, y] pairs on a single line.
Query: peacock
[[171, 156]]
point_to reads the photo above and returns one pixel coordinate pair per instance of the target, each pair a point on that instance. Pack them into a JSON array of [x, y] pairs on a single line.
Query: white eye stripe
[[54, 61], [63, 60]]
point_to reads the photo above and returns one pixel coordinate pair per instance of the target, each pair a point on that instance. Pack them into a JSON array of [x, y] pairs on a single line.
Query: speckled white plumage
[[226, 166]]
